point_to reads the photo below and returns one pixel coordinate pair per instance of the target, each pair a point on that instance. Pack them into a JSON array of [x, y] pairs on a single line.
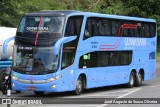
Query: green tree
[[8, 12], [12, 10]]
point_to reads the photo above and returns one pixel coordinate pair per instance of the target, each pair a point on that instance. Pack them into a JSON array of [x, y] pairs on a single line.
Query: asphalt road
[[97, 97]]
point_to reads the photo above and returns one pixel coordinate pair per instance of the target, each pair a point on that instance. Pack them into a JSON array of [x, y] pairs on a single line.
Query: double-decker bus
[[57, 51]]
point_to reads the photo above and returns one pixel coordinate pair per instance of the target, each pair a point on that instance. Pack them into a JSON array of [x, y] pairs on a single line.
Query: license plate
[[31, 88]]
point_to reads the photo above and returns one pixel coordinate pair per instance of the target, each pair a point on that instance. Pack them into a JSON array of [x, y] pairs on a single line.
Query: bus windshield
[[41, 24], [39, 30], [35, 60]]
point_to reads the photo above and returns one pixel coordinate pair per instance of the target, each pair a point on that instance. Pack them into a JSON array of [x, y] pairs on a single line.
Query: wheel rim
[[79, 86], [131, 80], [139, 77]]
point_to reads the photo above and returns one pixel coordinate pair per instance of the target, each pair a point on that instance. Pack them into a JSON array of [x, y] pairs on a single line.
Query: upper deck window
[[98, 26], [73, 26]]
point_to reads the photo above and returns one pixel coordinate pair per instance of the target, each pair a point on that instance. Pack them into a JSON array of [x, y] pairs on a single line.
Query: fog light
[[53, 86], [13, 85]]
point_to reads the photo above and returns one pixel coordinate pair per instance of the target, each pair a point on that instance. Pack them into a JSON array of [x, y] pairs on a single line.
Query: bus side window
[[102, 30], [125, 30], [114, 31], [152, 30], [125, 33], [105, 58], [93, 60], [139, 29], [68, 58], [78, 24], [102, 59], [146, 26], [131, 32], [115, 27], [84, 61], [87, 32], [108, 28], [135, 30], [88, 60], [70, 28], [94, 27], [114, 58], [124, 58], [104, 27], [142, 30], [73, 26]]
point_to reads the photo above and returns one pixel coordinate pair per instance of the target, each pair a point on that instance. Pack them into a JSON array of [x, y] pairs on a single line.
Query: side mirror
[[61, 41], [5, 44]]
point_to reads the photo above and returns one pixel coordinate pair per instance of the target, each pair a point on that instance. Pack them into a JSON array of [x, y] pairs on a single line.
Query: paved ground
[[149, 89]]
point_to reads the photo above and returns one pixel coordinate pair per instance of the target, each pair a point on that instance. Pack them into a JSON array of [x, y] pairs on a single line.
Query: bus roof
[[52, 12], [87, 14]]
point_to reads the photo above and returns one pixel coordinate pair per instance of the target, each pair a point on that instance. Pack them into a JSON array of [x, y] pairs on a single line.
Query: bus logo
[[31, 81]]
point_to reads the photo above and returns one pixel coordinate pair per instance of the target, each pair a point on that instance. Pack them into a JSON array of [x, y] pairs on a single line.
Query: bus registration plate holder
[[31, 88]]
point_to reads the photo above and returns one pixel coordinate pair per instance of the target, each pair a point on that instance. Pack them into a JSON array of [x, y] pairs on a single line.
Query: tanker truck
[[6, 59]]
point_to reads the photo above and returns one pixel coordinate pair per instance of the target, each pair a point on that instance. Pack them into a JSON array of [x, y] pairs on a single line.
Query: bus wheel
[[0, 80], [4, 88], [79, 86], [38, 92], [4, 85], [131, 80], [138, 80], [2, 71]]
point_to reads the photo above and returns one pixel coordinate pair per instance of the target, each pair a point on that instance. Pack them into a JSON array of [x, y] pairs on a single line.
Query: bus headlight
[[60, 76], [14, 77], [55, 78], [51, 79]]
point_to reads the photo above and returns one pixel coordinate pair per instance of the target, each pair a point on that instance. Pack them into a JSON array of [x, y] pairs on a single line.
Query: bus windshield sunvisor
[[42, 29]]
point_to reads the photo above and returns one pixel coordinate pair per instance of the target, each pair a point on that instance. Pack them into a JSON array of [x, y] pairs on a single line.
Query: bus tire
[[79, 86], [38, 93], [2, 71], [4, 89], [138, 80], [131, 80], [1, 80]]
